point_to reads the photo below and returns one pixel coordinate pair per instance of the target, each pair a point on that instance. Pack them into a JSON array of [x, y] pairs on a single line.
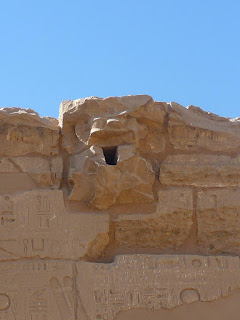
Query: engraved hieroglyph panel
[[37, 290], [36, 224], [154, 282]]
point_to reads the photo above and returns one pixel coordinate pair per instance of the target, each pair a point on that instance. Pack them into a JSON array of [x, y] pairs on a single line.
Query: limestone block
[[37, 289], [154, 282], [218, 220], [200, 170], [168, 227], [194, 129], [22, 132], [35, 224]]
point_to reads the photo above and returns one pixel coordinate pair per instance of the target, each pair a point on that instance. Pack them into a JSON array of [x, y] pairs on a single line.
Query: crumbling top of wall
[[139, 175]]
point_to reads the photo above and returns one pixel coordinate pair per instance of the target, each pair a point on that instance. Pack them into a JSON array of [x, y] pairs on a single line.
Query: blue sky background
[[183, 51]]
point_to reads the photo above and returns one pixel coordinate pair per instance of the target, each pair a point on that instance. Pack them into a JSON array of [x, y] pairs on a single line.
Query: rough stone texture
[[200, 170], [23, 132], [154, 282], [218, 220], [99, 131], [35, 224], [116, 176], [168, 227], [37, 289], [193, 129], [102, 186], [32, 172]]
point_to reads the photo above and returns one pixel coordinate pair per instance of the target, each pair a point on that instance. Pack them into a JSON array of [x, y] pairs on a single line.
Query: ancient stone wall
[[123, 204]]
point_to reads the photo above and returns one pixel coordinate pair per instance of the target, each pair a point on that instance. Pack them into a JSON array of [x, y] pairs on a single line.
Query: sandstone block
[[154, 282], [194, 129], [100, 122], [113, 122], [109, 142], [102, 186], [152, 140], [200, 170], [27, 173], [22, 132], [218, 220], [134, 176], [168, 227], [95, 106], [37, 289], [35, 224]]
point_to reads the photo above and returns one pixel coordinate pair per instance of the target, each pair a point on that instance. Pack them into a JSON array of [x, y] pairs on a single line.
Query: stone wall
[[124, 203]]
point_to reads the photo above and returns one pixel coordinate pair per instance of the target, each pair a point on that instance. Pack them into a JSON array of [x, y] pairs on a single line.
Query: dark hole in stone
[[111, 155]]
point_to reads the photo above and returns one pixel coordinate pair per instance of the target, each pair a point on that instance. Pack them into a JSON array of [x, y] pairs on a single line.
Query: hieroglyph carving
[[115, 176], [35, 290], [154, 282], [35, 224]]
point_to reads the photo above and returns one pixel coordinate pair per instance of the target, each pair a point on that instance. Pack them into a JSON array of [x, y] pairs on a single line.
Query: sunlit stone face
[[124, 206]]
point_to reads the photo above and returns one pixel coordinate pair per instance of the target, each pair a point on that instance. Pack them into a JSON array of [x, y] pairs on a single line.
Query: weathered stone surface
[[112, 122], [91, 120], [220, 309], [129, 182], [196, 130], [109, 139], [101, 185], [121, 175], [37, 289], [22, 132], [200, 170], [27, 173], [53, 289], [218, 220], [154, 282], [95, 106], [35, 224], [168, 227]]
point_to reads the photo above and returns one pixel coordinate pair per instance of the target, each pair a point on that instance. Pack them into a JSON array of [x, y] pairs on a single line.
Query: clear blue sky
[[183, 51]]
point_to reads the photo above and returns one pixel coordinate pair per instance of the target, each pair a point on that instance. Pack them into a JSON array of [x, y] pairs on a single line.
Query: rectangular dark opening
[[111, 155]]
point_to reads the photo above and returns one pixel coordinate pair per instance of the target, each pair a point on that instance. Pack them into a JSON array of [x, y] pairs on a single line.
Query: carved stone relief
[[104, 138], [36, 224], [152, 186], [154, 282]]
